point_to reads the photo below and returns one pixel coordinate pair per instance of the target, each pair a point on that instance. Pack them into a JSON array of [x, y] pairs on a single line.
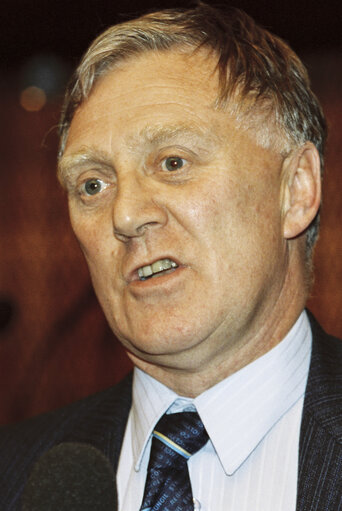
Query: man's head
[[260, 77], [191, 184]]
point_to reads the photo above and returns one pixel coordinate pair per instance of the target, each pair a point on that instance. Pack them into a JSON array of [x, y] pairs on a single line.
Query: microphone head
[[71, 477]]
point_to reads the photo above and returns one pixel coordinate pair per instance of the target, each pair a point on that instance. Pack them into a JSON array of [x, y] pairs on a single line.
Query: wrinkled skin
[[154, 171]]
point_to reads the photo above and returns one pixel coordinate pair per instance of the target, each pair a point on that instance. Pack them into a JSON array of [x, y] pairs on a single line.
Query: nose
[[136, 209]]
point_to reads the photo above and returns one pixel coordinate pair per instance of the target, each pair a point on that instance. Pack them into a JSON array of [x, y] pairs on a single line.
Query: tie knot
[[183, 432]]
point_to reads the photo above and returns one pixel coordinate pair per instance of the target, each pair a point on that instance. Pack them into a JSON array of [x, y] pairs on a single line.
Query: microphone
[[71, 477]]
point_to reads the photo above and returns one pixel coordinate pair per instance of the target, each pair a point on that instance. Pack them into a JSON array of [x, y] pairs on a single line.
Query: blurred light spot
[[32, 99], [47, 72]]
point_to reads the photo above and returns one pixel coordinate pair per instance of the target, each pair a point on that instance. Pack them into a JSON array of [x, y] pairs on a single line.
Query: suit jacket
[[101, 419]]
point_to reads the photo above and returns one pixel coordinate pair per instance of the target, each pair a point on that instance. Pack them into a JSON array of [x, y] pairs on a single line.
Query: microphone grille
[[71, 477]]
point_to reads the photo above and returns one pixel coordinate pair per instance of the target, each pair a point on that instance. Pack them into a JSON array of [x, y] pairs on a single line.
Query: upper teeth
[[158, 266]]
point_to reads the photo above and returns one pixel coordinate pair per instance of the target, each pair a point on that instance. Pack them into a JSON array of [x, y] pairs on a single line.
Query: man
[[191, 152]]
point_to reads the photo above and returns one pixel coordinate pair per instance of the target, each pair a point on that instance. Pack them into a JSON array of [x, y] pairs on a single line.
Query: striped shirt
[[253, 421]]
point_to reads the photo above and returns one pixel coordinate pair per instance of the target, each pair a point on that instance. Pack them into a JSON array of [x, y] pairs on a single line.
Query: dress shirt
[[253, 420]]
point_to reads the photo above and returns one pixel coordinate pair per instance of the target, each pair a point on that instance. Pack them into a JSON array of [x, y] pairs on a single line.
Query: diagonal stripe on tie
[[167, 441]]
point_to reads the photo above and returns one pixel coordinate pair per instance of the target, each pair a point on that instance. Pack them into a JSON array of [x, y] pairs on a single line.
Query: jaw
[[193, 366]]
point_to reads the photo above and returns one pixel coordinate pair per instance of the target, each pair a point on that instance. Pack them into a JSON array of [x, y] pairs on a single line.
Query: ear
[[302, 189]]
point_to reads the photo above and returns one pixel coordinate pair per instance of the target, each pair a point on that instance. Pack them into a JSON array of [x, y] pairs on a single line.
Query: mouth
[[156, 269]]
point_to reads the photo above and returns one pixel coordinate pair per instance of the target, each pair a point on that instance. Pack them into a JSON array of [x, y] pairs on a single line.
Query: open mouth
[[160, 267]]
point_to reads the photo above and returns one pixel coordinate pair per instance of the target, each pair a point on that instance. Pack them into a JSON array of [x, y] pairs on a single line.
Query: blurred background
[[55, 345]]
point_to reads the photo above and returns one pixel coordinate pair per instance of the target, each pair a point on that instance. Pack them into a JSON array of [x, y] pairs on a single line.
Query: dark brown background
[[55, 345]]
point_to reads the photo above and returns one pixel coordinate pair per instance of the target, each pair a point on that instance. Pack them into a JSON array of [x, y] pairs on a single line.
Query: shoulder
[[326, 354], [99, 420], [320, 448], [323, 400], [99, 410]]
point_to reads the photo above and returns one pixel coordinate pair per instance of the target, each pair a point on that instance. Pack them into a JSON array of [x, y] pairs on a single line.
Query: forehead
[[164, 98], [153, 70], [151, 89]]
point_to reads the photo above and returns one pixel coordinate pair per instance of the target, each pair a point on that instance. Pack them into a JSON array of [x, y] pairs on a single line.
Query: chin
[[154, 344]]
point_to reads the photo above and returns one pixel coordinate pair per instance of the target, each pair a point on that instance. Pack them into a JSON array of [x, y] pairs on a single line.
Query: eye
[[93, 186], [173, 163]]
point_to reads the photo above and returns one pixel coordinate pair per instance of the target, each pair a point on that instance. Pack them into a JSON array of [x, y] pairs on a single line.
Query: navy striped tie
[[176, 437]]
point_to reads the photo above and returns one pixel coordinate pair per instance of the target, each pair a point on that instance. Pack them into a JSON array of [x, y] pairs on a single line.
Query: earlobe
[[302, 190]]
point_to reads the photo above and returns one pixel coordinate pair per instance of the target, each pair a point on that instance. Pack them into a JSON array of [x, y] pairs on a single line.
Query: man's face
[[158, 178]]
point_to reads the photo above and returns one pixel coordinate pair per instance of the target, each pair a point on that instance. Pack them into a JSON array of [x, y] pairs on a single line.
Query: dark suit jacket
[[100, 420]]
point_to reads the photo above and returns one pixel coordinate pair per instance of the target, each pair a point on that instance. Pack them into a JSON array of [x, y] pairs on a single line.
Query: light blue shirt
[[253, 420]]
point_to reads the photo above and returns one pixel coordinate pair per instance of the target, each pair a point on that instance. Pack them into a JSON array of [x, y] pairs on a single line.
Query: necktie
[[176, 437]]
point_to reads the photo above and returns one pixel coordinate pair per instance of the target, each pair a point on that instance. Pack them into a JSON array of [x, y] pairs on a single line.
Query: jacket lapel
[[320, 450]]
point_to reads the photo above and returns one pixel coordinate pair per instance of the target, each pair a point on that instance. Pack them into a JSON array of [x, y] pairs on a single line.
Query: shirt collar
[[151, 399], [237, 412]]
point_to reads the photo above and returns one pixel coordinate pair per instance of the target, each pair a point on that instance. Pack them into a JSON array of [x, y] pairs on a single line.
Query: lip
[[133, 276]]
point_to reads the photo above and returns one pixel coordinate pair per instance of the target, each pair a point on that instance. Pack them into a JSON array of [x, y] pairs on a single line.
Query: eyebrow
[[151, 135], [85, 157], [155, 135]]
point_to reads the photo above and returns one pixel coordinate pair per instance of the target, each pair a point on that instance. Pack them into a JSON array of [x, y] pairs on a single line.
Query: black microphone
[[71, 477]]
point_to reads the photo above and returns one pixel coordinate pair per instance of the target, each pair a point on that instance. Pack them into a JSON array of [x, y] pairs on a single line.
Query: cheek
[[96, 248], [87, 237], [245, 220], [91, 230]]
